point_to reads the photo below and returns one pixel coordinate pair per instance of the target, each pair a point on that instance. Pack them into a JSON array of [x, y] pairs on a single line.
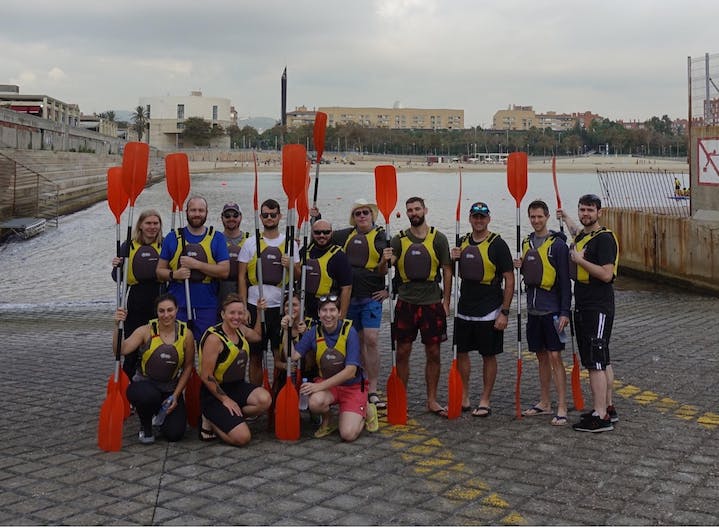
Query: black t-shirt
[[599, 295], [477, 299], [364, 282]]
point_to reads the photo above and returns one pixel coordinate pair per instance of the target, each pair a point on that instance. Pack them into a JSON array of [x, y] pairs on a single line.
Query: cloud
[[56, 74]]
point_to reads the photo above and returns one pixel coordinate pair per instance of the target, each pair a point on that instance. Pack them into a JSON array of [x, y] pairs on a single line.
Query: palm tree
[[141, 120]]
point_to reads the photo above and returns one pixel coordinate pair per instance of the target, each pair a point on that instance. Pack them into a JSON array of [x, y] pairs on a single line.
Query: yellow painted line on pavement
[[430, 458]]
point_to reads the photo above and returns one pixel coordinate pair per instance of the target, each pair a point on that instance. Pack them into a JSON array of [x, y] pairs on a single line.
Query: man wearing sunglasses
[[231, 220], [594, 258], [487, 272], [364, 242], [272, 249], [327, 269], [422, 257]]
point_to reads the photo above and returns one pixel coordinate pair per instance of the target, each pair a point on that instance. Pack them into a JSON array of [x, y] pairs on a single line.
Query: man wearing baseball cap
[[485, 265], [231, 220]]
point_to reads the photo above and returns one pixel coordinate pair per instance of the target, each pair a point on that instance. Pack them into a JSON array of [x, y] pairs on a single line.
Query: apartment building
[[42, 106], [396, 118], [167, 117], [517, 117]]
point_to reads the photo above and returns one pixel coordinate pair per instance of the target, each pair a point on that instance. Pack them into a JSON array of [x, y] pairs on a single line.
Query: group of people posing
[[224, 295]]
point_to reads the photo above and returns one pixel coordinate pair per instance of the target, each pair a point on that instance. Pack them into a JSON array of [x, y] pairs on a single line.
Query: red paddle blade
[[134, 169], [319, 133], [396, 399], [459, 197], [554, 180], [385, 186], [109, 428], [177, 172], [517, 175], [255, 200], [117, 198], [577, 396], [517, 398], [303, 207], [454, 404], [192, 399], [287, 413], [294, 158]]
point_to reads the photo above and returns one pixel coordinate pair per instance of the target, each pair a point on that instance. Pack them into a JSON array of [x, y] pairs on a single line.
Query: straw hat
[[362, 204]]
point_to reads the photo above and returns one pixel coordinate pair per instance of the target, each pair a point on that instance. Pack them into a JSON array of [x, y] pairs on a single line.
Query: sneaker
[[325, 430], [371, 422], [374, 399], [613, 415], [611, 411], [593, 423], [145, 439]]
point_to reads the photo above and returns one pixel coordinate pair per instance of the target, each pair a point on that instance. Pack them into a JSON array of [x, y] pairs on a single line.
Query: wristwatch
[[505, 312]]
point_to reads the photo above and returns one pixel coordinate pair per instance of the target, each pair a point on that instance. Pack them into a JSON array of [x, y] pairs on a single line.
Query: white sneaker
[[145, 440]]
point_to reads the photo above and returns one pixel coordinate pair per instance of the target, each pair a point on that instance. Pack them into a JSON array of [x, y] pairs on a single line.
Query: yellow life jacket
[[271, 261], [318, 282], [143, 262], [579, 273], [418, 262], [233, 249], [331, 361], [160, 361], [474, 262], [360, 249], [232, 360], [537, 268], [201, 251]]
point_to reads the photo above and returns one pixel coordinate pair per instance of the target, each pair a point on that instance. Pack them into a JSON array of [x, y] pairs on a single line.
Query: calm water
[[71, 265]]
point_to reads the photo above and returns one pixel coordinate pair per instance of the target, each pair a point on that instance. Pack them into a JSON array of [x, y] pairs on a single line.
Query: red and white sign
[[708, 160]]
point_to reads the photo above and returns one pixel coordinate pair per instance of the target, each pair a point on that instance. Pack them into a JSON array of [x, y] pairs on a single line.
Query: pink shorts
[[351, 398]]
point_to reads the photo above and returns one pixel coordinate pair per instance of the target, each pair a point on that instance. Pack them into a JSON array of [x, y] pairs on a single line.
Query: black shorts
[[430, 320], [593, 330], [478, 335], [215, 411], [542, 335], [272, 323]]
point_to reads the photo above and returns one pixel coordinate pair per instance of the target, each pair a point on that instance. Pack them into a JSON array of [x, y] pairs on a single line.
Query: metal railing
[[647, 190]]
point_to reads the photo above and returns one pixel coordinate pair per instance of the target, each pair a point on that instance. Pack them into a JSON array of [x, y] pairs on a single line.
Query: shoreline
[[270, 162]]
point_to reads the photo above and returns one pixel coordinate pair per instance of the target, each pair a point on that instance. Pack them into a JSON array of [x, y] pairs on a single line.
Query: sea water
[[70, 266]]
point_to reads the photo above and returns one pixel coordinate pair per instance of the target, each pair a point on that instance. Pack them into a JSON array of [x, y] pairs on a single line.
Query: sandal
[[559, 420], [203, 434], [374, 399], [324, 431], [536, 410]]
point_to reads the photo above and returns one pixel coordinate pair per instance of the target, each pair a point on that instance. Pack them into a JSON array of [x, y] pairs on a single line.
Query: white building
[[168, 114]]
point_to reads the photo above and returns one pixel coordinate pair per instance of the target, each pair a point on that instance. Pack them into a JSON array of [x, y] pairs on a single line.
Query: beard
[[196, 222], [416, 221]]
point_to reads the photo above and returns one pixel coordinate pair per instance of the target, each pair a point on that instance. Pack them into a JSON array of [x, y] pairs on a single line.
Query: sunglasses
[[477, 209], [322, 232], [328, 298], [230, 215], [272, 215], [362, 212]]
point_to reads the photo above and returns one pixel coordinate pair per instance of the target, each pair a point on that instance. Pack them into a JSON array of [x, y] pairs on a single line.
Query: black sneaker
[[613, 415], [593, 424]]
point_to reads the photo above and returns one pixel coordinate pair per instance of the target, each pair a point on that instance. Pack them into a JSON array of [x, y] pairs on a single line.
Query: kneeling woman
[[166, 356], [334, 344], [225, 397]]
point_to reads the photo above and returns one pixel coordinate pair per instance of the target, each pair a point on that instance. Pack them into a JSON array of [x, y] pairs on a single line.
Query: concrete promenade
[[659, 466]]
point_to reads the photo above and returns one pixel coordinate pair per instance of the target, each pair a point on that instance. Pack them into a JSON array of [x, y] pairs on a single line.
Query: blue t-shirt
[[308, 343], [201, 295]]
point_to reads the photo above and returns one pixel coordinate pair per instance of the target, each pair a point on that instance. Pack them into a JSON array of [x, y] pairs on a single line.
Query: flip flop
[[482, 411], [536, 410], [559, 420], [441, 412], [466, 409]]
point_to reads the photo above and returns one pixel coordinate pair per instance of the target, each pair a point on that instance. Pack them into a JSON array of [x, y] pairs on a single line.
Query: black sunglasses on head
[[325, 232], [272, 215]]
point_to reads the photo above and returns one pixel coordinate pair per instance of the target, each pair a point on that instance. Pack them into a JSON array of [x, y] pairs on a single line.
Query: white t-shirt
[[272, 293]]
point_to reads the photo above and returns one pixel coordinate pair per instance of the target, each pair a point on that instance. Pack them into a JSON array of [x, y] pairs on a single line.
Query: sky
[[621, 59]]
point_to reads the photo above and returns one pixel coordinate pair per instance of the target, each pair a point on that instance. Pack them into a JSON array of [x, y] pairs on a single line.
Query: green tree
[[109, 115], [141, 121], [197, 131]]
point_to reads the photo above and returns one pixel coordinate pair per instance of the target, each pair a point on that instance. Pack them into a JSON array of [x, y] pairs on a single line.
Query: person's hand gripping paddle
[[385, 181], [287, 405], [517, 185], [577, 395], [454, 401]]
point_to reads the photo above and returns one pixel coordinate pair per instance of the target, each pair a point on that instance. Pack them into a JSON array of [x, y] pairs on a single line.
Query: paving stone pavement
[[659, 466]]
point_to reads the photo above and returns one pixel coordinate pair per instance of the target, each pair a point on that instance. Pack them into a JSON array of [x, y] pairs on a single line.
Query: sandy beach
[[270, 161]]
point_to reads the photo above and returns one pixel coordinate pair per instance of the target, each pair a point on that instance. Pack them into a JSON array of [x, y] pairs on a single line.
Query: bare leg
[[465, 367], [404, 349], [598, 384], [545, 377], [559, 374], [350, 426], [489, 375], [610, 384], [431, 375], [370, 356]]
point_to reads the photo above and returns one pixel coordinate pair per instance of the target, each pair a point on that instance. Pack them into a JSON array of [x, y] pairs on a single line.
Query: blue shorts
[[367, 315], [541, 334], [203, 318]]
